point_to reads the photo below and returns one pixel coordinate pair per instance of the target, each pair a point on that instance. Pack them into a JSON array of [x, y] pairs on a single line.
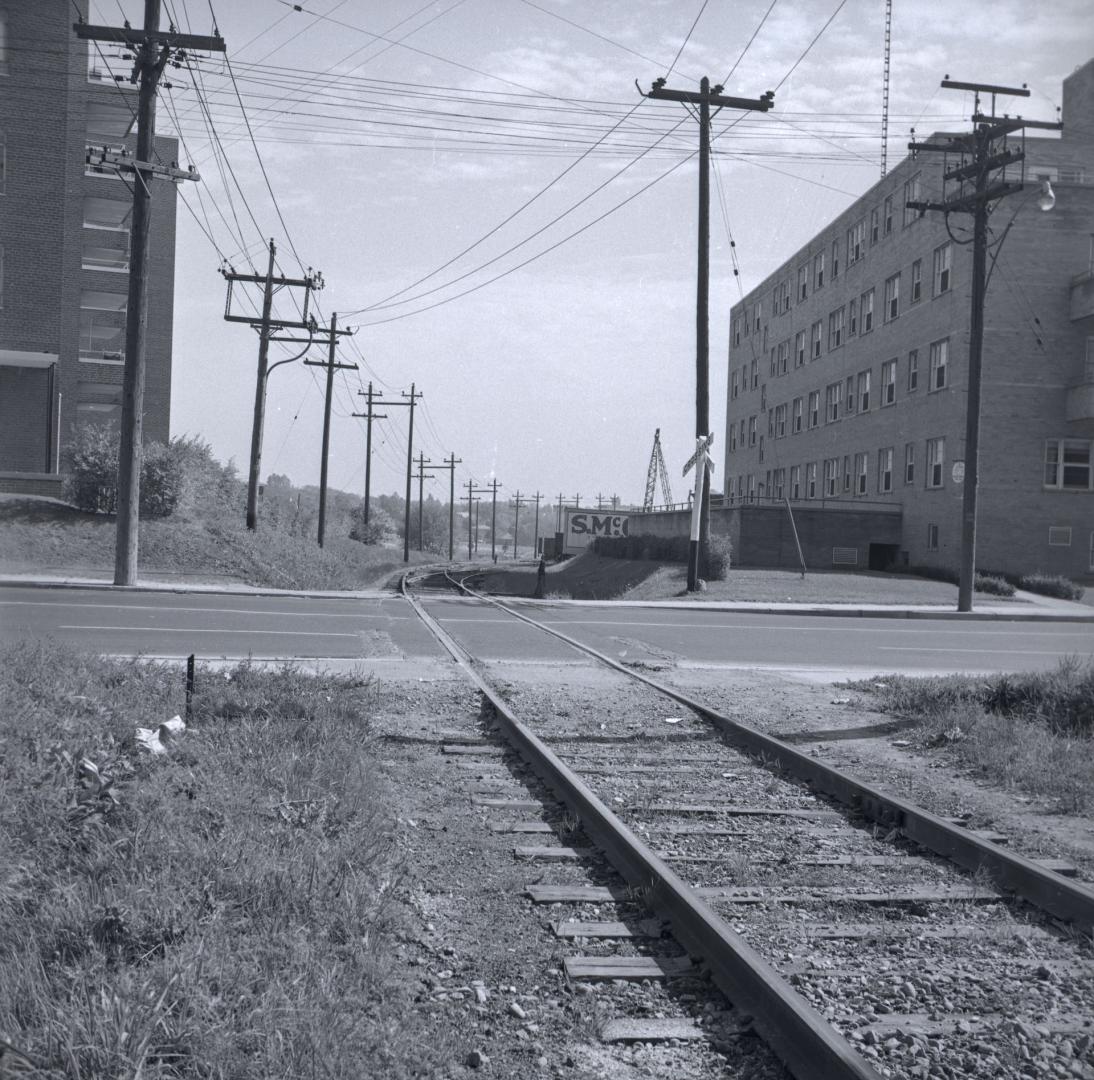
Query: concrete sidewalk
[[1023, 606]]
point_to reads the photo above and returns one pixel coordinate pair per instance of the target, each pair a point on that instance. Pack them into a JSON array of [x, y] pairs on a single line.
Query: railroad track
[[863, 935]]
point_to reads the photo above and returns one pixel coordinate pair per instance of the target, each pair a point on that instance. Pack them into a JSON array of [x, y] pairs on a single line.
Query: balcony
[[1082, 296]]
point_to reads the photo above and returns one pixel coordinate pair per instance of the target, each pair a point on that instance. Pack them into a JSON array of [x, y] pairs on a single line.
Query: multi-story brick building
[[64, 247], [848, 367]]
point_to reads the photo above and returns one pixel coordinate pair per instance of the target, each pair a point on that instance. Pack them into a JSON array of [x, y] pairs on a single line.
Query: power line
[[687, 38]]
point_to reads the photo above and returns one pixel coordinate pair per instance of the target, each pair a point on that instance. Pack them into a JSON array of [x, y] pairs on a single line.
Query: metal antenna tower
[[655, 472], [885, 88]]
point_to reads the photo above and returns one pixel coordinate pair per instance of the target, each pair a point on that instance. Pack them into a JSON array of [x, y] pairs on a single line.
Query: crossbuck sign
[[700, 458]]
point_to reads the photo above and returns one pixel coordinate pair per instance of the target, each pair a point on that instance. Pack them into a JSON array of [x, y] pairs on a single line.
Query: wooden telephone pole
[[266, 325], [535, 543], [450, 464], [705, 98], [153, 48], [411, 402], [975, 194], [423, 461], [368, 417], [332, 333], [519, 500]]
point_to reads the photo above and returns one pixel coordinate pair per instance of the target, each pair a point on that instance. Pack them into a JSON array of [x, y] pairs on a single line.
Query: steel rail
[[802, 1039], [1068, 900]]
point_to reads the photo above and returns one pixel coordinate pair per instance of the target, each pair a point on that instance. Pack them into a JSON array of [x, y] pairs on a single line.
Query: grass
[[225, 910], [786, 586], [43, 535], [1033, 732]]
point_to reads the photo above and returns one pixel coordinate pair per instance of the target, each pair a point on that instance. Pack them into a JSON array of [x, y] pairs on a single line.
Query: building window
[[856, 242], [795, 482], [811, 480], [752, 431], [942, 258], [732, 437], [742, 438], [849, 397], [866, 311], [835, 329], [755, 375], [799, 348], [940, 352], [936, 454], [763, 396], [757, 316], [784, 356], [932, 537], [847, 473], [892, 297], [831, 477], [1091, 559], [814, 408], [852, 318], [106, 234], [911, 194], [780, 483], [803, 281], [751, 488], [917, 281], [909, 463], [815, 344], [3, 164], [102, 326], [885, 470], [796, 423], [888, 383], [1059, 536], [737, 330], [780, 421], [1068, 465], [861, 466], [761, 449], [913, 371], [887, 215], [818, 271], [864, 391], [875, 227], [770, 422], [833, 398], [835, 259], [771, 366], [4, 69], [734, 389]]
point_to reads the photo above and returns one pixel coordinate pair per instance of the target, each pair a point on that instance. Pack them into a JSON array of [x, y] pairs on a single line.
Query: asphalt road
[[219, 625], [777, 642]]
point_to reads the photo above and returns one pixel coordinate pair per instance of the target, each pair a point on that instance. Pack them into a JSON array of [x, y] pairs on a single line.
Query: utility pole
[[535, 543], [153, 50], [411, 401], [494, 485], [423, 461], [518, 499], [266, 326], [450, 464], [600, 502], [561, 498], [470, 514], [331, 343], [979, 160], [705, 98], [368, 416]]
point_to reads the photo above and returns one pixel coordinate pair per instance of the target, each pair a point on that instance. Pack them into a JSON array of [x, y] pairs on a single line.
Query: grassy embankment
[[213, 544], [225, 909], [1033, 732]]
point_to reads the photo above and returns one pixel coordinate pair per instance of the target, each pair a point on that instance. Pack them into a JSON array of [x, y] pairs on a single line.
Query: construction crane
[[657, 470], [885, 88]]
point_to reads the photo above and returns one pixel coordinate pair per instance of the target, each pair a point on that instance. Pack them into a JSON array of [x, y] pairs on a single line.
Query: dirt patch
[[586, 577]]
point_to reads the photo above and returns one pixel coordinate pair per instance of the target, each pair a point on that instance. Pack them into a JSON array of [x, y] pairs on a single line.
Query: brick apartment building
[[64, 240], [848, 369]]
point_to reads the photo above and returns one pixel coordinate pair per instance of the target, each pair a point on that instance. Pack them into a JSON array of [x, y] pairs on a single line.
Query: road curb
[[210, 590]]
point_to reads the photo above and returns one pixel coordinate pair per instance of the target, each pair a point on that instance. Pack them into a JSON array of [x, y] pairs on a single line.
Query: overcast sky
[[400, 136]]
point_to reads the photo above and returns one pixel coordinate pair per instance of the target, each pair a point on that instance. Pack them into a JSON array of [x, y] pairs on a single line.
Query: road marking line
[[202, 610], [211, 630], [1016, 652]]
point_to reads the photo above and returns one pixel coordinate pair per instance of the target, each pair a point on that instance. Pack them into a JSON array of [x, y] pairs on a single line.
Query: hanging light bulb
[[1047, 199]]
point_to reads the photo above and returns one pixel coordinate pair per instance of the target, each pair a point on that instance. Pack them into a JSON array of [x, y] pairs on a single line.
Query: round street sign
[[958, 472]]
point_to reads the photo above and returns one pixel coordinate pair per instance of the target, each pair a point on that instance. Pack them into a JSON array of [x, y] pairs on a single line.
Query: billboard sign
[[581, 526]]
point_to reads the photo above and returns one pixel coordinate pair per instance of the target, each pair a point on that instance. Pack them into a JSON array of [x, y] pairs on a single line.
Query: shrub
[[718, 558], [665, 549], [997, 586], [184, 467], [994, 583], [1051, 585], [379, 530]]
